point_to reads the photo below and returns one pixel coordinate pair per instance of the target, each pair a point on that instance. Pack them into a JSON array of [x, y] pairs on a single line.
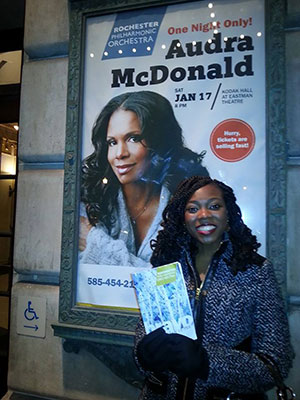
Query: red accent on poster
[[232, 140]]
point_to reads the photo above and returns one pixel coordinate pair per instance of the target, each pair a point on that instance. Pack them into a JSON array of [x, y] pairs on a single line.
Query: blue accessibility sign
[[31, 316], [29, 312]]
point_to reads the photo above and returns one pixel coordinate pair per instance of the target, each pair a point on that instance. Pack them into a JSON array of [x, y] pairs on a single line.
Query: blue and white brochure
[[164, 301]]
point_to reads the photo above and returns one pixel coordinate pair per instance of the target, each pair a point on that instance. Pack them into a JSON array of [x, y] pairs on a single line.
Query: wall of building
[[40, 366]]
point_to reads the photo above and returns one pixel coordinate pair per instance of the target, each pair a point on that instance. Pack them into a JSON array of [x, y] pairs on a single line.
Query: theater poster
[[208, 60]]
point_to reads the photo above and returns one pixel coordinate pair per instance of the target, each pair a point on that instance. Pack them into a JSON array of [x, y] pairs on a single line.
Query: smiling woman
[[238, 310], [138, 161]]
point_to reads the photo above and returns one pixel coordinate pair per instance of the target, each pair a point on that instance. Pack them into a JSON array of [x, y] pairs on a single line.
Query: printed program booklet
[[164, 301]]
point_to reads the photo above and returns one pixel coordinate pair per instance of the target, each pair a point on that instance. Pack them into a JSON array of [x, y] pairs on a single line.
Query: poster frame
[[108, 326]]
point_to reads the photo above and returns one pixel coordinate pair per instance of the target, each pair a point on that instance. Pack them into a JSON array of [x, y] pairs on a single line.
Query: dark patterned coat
[[236, 316]]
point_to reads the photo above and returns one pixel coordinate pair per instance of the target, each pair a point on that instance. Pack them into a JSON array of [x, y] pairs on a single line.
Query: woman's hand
[[159, 351], [189, 358], [84, 228], [153, 351]]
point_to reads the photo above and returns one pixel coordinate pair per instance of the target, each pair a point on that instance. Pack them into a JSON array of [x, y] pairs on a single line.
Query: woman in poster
[[239, 314], [139, 159]]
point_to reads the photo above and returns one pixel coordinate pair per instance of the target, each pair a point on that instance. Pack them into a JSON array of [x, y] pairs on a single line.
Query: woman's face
[[206, 215], [127, 151]]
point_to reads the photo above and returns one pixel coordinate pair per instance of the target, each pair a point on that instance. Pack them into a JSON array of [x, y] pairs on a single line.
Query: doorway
[[10, 71]]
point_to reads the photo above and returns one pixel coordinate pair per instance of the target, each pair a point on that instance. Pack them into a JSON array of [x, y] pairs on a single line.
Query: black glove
[[159, 351], [189, 358], [153, 351]]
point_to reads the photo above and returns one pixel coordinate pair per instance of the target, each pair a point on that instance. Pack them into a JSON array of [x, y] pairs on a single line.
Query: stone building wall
[[39, 366]]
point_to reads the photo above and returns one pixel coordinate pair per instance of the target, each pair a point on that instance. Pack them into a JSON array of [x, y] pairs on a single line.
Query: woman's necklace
[[133, 219]]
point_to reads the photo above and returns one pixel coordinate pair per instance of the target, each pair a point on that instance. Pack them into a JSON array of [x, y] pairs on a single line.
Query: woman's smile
[[204, 229], [124, 169], [127, 150]]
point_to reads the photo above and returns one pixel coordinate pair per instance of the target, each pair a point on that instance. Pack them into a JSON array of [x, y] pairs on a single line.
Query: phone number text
[[110, 282]]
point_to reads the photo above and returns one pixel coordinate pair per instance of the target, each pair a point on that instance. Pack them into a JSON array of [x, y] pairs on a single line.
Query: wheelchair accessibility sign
[[31, 316]]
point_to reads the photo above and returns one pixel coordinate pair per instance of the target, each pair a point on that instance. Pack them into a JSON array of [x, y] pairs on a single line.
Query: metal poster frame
[[112, 327]]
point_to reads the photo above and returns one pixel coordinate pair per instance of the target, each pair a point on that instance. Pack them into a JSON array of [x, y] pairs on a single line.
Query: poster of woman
[[169, 92]]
